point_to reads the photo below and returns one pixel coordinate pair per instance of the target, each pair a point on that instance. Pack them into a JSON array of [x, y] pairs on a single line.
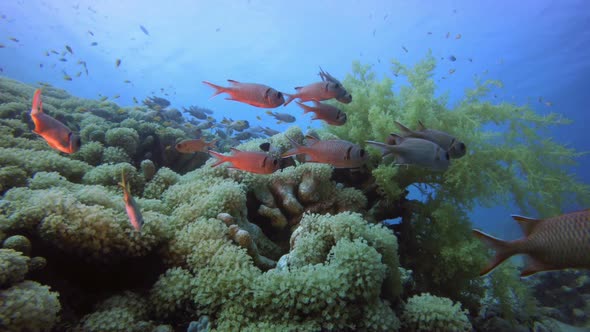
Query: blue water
[[537, 48]]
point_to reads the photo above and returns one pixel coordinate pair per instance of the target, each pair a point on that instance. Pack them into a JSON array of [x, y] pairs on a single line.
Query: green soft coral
[[510, 160]]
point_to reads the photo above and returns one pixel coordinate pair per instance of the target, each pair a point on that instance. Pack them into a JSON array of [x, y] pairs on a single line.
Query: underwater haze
[[346, 241]]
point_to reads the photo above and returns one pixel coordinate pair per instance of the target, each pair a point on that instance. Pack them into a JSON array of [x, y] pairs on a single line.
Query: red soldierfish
[[317, 91], [131, 206], [249, 161], [554, 243], [345, 97], [55, 133], [254, 94], [336, 152], [195, 145], [328, 113]]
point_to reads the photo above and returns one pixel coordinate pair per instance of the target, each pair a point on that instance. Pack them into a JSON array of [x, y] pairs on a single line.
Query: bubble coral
[[28, 306], [18, 243], [426, 313], [13, 267], [124, 138]]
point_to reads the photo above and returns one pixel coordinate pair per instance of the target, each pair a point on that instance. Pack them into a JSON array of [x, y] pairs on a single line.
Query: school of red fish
[[555, 243]]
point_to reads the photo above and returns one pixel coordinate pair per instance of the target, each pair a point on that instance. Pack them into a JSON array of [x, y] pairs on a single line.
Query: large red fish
[[554, 243], [336, 152], [249, 161], [317, 91], [328, 113], [254, 94], [55, 133]]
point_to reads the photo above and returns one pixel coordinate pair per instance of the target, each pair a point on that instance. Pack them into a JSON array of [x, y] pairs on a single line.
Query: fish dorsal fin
[[311, 139], [396, 138], [421, 126], [405, 130], [233, 82], [264, 146], [298, 88], [526, 224]]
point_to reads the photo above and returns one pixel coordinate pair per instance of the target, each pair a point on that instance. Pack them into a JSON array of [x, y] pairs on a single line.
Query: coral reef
[[302, 249], [431, 313]]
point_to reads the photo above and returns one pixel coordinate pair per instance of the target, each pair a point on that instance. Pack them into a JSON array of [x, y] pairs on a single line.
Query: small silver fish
[[415, 151], [455, 148], [282, 117]]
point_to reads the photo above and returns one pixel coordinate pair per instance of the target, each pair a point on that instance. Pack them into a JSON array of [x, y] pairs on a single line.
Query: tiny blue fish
[[144, 30]]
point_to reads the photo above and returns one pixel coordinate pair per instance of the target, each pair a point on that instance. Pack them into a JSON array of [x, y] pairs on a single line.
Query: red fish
[[254, 94], [131, 206], [195, 145], [554, 243], [336, 152], [328, 113], [249, 161], [55, 133], [317, 91]]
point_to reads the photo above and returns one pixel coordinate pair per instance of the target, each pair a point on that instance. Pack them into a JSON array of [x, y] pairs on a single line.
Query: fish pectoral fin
[[533, 265], [53, 146]]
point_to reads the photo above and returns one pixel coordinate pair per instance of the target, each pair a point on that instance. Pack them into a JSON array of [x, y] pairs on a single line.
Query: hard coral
[[428, 313], [28, 306], [114, 317], [13, 267], [321, 296], [316, 234]]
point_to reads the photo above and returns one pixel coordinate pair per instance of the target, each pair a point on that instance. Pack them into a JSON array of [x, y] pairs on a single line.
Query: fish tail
[[306, 109], [220, 158], [289, 98], [503, 250], [386, 149], [213, 143], [37, 103], [123, 183], [405, 130], [297, 149], [218, 89]]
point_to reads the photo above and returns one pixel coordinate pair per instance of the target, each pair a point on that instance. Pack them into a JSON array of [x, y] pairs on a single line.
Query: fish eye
[[279, 95], [337, 85], [275, 162], [462, 147], [362, 153], [447, 157]]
